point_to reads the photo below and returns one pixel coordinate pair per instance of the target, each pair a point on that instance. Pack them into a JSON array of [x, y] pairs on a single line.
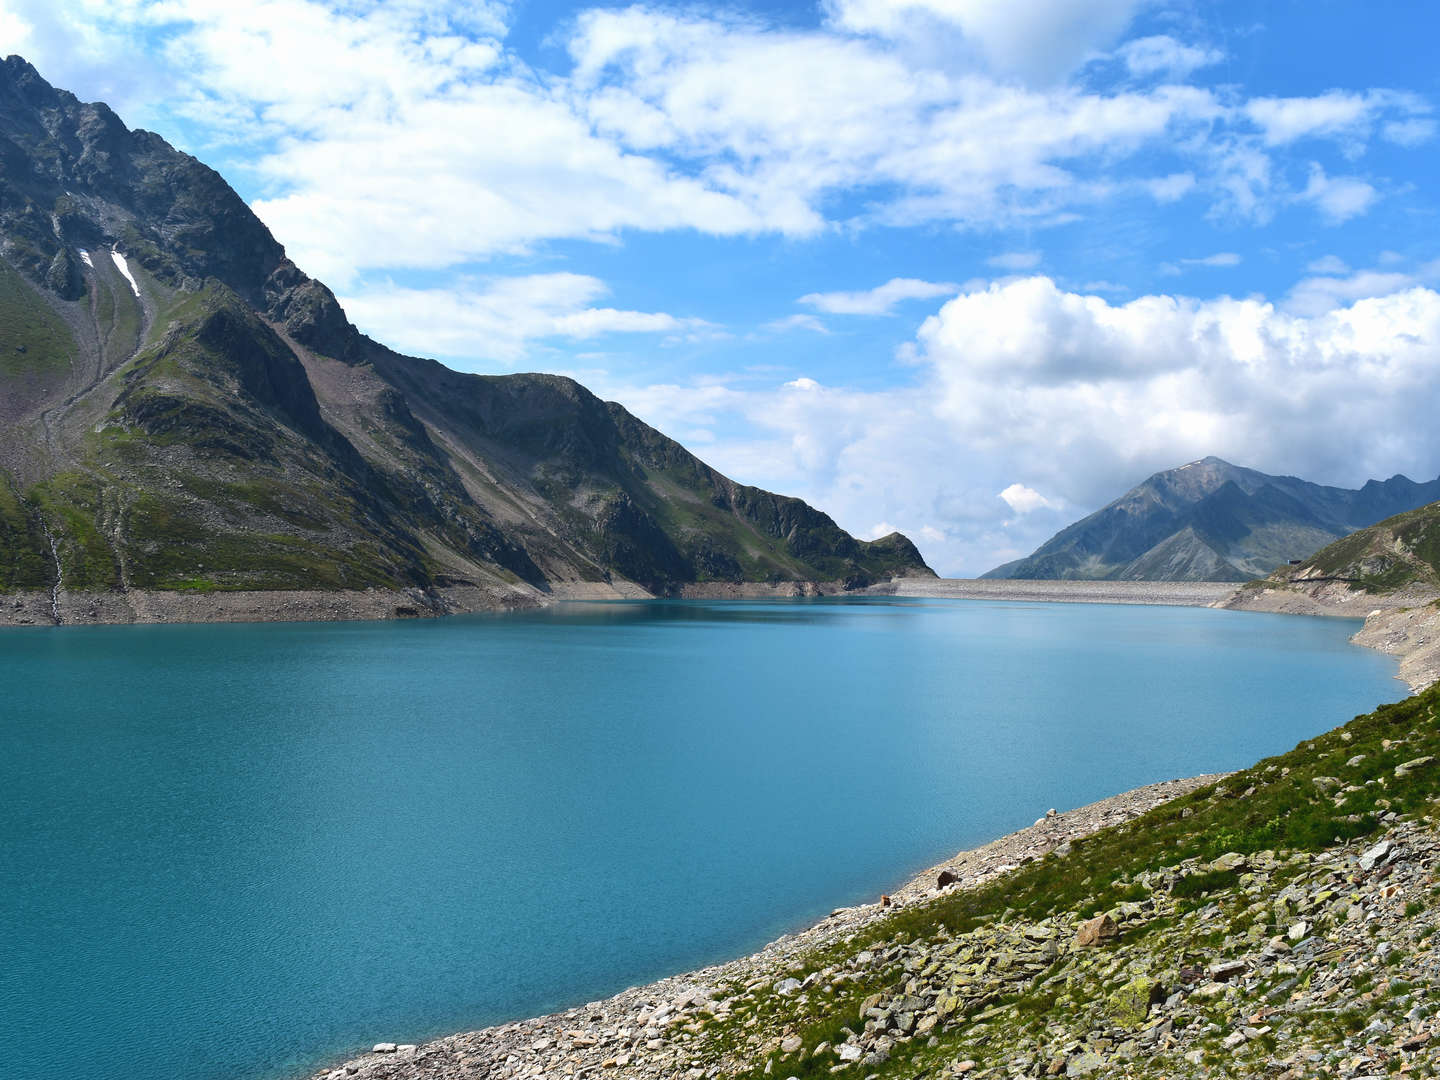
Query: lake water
[[242, 851]]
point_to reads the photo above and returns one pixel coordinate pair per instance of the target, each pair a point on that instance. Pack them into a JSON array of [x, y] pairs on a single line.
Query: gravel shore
[[633, 1034]]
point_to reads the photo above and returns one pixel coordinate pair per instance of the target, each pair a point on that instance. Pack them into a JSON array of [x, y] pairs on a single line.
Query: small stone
[[1234, 1039], [791, 1044], [1298, 931], [1231, 860], [1406, 768], [960, 1068], [383, 1048], [786, 987], [850, 1052], [946, 879]]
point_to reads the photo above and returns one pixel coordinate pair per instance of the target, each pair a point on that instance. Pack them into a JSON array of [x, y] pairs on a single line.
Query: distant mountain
[[181, 408], [1213, 521]]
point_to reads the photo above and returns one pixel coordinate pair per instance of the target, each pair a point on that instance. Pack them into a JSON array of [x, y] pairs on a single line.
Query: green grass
[[24, 553], [71, 504], [169, 545], [33, 339]]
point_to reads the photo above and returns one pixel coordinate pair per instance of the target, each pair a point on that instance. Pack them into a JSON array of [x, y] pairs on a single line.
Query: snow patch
[[85, 258], [124, 268]]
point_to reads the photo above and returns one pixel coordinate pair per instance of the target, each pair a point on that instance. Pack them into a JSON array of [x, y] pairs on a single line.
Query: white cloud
[[1084, 398], [1015, 260], [1411, 132], [880, 300], [1163, 55], [796, 322], [673, 120], [1167, 189], [1338, 198], [1328, 264], [1221, 259], [495, 320], [1041, 40], [1343, 115], [1316, 295], [1025, 500]]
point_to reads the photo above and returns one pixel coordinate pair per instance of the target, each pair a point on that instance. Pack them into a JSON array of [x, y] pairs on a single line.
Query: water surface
[[242, 851]]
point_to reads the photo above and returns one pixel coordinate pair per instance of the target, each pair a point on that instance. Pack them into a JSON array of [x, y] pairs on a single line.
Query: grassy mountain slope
[[1212, 521], [218, 424], [1398, 553]]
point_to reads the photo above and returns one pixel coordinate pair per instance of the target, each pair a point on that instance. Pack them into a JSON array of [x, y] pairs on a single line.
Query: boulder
[[1100, 930], [1129, 1006]]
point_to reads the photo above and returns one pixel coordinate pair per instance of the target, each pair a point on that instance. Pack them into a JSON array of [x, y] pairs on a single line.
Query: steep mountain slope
[[1213, 521], [183, 409]]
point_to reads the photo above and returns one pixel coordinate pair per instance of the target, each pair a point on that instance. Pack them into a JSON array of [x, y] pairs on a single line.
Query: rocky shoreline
[[1165, 593], [641, 1032], [69, 607], [1404, 623]]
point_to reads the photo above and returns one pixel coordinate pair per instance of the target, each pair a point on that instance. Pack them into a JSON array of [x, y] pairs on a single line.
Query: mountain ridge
[[1211, 520], [186, 410]]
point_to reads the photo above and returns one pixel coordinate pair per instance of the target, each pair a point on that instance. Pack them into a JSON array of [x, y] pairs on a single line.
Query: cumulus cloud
[[496, 319], [1319, 294], [1084, 398], [880, 300], [1024, 500]]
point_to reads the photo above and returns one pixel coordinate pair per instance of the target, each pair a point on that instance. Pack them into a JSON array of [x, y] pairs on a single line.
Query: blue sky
[[966, 268]]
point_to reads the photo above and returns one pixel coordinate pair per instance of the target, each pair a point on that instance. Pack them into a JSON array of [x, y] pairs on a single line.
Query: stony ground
[[1280, 923]]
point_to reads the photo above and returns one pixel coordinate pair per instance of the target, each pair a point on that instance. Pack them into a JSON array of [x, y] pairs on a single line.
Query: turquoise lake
[[245, 851]]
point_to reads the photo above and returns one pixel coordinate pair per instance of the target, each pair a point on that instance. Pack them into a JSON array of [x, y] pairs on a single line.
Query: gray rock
[[1375, 855], [1084, 1064]]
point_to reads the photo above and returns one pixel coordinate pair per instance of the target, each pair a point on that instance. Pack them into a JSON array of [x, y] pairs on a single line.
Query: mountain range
[[184, 409], [1213, 521]]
